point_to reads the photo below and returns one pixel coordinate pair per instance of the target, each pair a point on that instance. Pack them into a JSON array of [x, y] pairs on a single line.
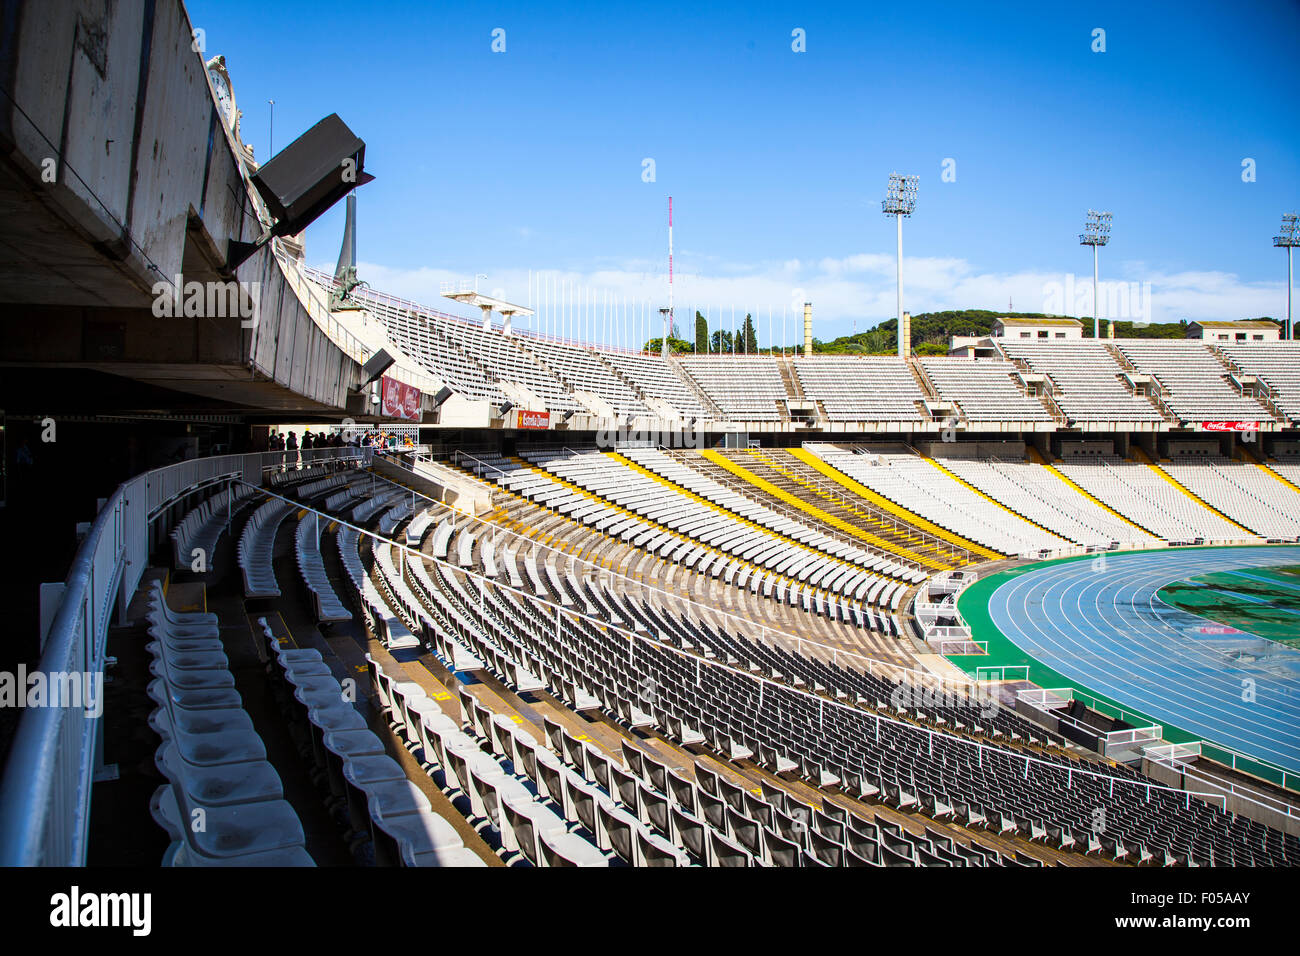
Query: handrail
[[46, 788], [309, 294]]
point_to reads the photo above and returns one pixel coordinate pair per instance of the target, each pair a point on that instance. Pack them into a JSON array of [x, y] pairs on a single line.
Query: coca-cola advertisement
[[1230, 426], [399, 400]]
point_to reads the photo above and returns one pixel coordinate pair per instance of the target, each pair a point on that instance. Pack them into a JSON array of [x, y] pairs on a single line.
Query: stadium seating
[[917, 485], [581, 370], [311, 566], [745, 388], [866, 388], [1154, 503], [656, 378], [985, 390], [1275, 364], [1194, 381], [1244, 493], [213, 760], [256, 545], [1034, 493], [201, 529], [1087, 381]]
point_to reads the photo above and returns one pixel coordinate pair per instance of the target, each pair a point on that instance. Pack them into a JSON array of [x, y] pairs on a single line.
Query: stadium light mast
[[900, 201], [1288, 240], [1096, 233]]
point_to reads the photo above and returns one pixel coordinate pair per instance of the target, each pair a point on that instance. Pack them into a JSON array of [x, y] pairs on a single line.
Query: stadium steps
[[1005, 507], [862, 491], [819, 514], [700, 394], [535, 530], [793, 389], [1155, 467], [729, 480], [1054, 471], [730, 514], [923, 381]]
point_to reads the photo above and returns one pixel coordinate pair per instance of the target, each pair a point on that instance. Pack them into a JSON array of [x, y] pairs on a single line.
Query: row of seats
[[1276, 365], [1194, 382], [743, 389], [1150, 501], [196, 535], [1087, 380], [818, 560], [716, 823], [257, 547], [311, 565], [377, 806], [986, 390], [1245, 493], [214, 761], [798, 577], [862, 388], [1035, 493], [512, 816]]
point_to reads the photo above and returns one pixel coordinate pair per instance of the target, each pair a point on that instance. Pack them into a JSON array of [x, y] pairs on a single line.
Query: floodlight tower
[[900, 201], [1096, 233], [1288, 240]]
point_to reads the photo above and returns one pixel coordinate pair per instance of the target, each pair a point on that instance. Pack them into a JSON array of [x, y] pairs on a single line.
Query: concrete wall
[[148, 187]]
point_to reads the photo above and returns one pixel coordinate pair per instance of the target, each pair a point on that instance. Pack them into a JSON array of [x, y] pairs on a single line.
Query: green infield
[[1263, 601]]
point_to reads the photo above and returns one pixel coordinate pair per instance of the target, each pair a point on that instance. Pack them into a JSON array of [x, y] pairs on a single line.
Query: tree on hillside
[[720, 341], [701, 334], [748, 337], [675, 346]]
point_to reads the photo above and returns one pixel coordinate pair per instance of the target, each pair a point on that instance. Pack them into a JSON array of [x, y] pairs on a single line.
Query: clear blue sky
[[532, 158]]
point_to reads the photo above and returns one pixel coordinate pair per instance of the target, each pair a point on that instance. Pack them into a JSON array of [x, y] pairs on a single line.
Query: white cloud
[[856, 289]]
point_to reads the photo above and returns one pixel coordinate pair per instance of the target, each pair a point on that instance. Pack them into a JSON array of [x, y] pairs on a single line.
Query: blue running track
[[1101, 624]]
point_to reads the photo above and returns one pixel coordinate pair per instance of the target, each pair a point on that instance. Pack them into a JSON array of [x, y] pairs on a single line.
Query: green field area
[[1263, 601]]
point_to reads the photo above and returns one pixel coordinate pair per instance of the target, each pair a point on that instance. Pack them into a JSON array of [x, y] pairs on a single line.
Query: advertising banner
[[399, 400], [534, 419]]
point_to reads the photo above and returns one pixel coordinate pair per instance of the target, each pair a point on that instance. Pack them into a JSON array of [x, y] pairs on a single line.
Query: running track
[[1104, 627]]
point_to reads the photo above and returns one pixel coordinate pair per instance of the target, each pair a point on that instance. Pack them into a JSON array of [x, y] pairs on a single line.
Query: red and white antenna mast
[[668, 312]]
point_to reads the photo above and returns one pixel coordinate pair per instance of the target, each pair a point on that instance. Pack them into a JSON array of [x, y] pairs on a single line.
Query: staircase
[[793, 388], [714, 412], [1154, 396]]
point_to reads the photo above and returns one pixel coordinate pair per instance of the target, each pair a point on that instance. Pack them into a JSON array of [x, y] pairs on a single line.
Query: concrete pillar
[[807, 329], [487, 317], [506, 329]]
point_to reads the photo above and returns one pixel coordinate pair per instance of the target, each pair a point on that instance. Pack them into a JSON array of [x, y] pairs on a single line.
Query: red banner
[[1230, 426], [399, 400], [534, 419]]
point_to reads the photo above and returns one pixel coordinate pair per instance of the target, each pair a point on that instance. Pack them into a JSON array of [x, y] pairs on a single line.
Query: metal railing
[[46, 788], [317, 306]]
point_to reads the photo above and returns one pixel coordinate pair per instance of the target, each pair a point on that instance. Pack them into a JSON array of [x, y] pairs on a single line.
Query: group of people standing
[[288, 441], [374, 438]]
